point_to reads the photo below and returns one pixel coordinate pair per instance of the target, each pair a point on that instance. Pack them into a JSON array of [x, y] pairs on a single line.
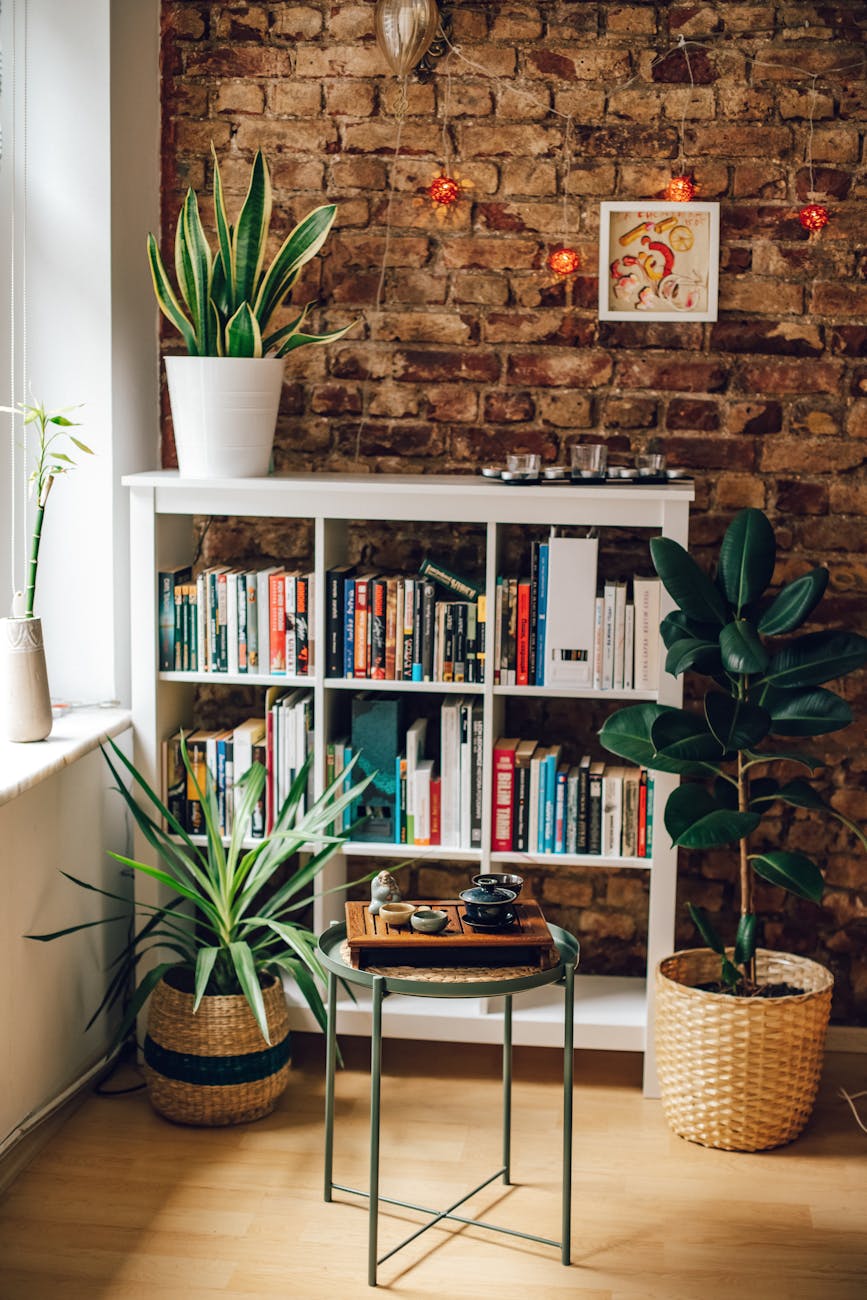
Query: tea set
[[488, 905]]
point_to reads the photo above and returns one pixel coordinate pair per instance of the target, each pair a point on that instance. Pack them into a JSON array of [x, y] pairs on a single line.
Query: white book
[[415, 738], [450, 740], [290, 587], [244, 737], [232, 621], [619, 633], [612, 811], [629, 842], [421, 780], [533, 831], [598, 626], [608, 636], [570, 611], [629, 647], [201, 664], [646, 596], [466, 763], [299, 748]]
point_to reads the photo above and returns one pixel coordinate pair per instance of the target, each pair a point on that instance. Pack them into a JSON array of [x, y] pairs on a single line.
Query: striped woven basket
[[213, 1067], [740, 1074]]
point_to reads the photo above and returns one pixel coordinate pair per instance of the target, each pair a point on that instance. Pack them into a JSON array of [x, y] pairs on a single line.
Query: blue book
[[541, 613], [350, 812], [550, 766], [377, 732], [539, 847], [168, 580], [348, 626]]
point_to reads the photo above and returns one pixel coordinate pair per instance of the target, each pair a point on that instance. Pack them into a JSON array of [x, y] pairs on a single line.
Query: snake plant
[[225, 300], [727, 629]]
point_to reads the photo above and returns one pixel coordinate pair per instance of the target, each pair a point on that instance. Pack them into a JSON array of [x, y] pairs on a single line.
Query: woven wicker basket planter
[[214, 1067], [739, 1074]]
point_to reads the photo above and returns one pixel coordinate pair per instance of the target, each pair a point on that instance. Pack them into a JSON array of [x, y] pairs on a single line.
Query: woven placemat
[[444, 974]]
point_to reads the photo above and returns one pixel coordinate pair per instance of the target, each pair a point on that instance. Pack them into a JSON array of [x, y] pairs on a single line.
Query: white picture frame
[[666, 278]]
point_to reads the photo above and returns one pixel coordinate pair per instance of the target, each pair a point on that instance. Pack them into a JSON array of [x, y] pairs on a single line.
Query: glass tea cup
[[589, 462], [650, 464], [525, 463]]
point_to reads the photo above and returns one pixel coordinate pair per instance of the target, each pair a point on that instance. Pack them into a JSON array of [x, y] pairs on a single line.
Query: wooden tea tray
[[526, 942]]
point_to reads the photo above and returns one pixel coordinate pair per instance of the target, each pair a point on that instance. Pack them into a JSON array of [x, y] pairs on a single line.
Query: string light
[[444, 190], [813, 216], [680, 189], [563, 261]]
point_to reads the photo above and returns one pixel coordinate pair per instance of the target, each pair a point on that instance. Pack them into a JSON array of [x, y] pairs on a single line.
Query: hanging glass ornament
[[680, 189], [563, 261], [814, 217], [444, 190], [404, 31]]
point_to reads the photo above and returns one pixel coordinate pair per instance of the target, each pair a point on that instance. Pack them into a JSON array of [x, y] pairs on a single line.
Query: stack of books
[[256, 621], [543, 805], [391, 627]]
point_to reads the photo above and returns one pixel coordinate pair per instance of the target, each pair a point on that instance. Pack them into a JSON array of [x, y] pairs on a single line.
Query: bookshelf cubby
[[611, 1012]]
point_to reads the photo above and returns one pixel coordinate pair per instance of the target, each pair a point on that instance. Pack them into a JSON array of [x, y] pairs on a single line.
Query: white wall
[[49, 991]]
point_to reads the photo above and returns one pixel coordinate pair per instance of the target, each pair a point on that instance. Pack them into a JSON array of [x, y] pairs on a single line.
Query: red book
[[641, 850], [436, 809], [362, 627], [277, 622], [522, 674], [377, 597], [503, 801]]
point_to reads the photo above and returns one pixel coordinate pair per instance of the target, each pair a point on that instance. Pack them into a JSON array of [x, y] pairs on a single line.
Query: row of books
[[393, 627], [555, 628], [236, 621], [281, 742], [542, 805]]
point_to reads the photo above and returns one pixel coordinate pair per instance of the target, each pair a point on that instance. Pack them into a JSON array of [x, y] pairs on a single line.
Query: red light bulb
[[813, 217], [563, 261], [680, 189]]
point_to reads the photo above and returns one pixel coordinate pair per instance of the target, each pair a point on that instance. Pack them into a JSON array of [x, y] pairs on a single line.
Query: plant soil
[[751, 990]]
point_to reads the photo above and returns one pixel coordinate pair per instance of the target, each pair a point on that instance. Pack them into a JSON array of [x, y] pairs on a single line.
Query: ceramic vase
[[224, 413], [25, 705]]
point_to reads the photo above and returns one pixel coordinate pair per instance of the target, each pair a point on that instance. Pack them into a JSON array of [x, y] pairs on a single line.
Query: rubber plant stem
[[34, 547], [745, 874]]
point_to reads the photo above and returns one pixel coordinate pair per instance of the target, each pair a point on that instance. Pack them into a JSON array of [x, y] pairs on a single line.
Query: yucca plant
[[244, 923], [727, 630], [229, 297]]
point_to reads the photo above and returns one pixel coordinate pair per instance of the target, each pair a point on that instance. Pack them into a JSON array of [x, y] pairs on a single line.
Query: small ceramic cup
[[429, 920], [396, 914]]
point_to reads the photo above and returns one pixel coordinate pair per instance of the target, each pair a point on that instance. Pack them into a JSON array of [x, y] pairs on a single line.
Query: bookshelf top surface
[[468, 497]]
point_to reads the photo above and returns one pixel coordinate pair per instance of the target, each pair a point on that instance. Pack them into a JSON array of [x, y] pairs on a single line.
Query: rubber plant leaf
[[694, 819], [704, 656], [745, 942], [797, 793], [688, 585], [742, 651], [805, 713], [627, 733], [737, 724], [677, 627], [746, 558], [791, 871], [793, 605], [817, 657], [166, 300], [683, 738], [702, 923], [248, 239]]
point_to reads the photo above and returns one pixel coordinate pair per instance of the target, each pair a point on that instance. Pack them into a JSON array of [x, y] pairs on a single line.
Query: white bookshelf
[[610, 1012]]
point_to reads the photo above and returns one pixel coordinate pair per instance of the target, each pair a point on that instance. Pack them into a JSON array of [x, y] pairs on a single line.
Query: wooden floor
[[124, 1206]]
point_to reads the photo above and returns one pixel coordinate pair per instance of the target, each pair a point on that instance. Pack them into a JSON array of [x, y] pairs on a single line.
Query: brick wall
[[479, 350]]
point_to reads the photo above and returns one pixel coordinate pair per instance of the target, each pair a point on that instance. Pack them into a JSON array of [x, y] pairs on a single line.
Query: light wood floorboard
[[121, 1205]]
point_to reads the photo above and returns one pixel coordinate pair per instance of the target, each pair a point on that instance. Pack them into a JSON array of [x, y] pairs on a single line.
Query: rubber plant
[[245, 908], [766, 687], [226, 298], [54, 444]]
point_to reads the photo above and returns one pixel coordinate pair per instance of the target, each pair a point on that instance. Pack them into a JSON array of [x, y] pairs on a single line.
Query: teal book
[[377, 732], [167, 580]]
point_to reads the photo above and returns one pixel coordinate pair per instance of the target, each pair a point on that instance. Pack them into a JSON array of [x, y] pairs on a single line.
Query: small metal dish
[[519, 476], [491, 471], [672, 474], [556, 473], [622, 473]]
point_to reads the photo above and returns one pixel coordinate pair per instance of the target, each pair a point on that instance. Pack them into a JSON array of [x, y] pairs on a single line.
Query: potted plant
[[217, 1044], [226, 392], [25, 704], [740, 1030]]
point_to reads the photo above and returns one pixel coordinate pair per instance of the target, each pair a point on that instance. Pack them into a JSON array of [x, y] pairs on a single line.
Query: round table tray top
[[447, 982]]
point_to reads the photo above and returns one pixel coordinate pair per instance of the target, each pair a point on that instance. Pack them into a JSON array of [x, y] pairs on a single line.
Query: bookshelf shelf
[[611, 1012]]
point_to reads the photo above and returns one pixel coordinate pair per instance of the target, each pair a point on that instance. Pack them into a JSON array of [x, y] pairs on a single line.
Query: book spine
[[222, 623], [428, 595], [243, 644], [608, 637], [175, 781], [629, 647], [594, 813], [302, 625], [481, 638], [221, 787], [348, 627], [257, 819], [458, 586], [362, 631], [641, 848], [522, 668], [619, 634], [472, 612], [201, 625], [534, 613], [572, 783], [522, 806], [391, 629], [263, 619], [436, 790], [560, 812], [583, 834], [399, 630], [598, 639], [477, 745], [460, 621], [177, 637], [542, 614], [400, 799], [333, 624], [252, 605], [187, 628], [378, 594], [447, 610], [512, 633], [648, 852], [550, 800], [417, 626], [290, 597], [504, 778], [233, 654], [277, 623], [166, 625]]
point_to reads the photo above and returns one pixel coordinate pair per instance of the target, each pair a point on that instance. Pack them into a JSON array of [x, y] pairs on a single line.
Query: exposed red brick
[[544, 369], [675, 374], [508, 408], [686, 413], [778, 338], [420, 366]]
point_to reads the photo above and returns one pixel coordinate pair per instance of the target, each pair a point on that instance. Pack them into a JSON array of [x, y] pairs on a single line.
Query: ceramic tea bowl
[[491, 906], [429, 920], [396, 913], [500, 880]]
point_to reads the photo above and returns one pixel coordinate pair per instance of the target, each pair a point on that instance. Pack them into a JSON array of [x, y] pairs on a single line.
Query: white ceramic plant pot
[[224, 411], [25, 705]]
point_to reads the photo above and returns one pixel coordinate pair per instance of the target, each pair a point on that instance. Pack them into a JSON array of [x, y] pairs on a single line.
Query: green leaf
[[730, 973], [242, 960], [302, 340], [745, 943], [224, 235], [805, 713], [704, 656], [817, 657], [81, 445], [735, 723], [694, 820], [201, 270], [746, 558], [243, 338], [248, 239], [279, 336], [205, 958], [688, 585], [786, 755], [677, 627], [683, 737], [725, 792], [792, 871], [742, 651], [627, 734], [797, 793], [166, 300], [794, 603], [702, 923], [299, 246], [140, 997]]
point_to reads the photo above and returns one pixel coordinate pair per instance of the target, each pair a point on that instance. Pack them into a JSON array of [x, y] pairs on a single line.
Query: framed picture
[[658, 261]]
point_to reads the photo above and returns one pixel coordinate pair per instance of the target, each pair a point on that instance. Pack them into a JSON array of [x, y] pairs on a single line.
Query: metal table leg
[[507, 1089], [330, 1054], [375, 1080], [568, 1036]]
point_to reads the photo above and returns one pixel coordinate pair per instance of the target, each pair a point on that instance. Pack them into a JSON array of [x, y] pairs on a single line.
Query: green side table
[[329, 951]]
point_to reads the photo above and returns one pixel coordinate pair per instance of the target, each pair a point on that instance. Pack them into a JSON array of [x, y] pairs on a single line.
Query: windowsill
[[72, 736]]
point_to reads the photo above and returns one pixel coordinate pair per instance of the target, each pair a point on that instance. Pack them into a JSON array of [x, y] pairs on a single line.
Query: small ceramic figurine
[[383, 889]]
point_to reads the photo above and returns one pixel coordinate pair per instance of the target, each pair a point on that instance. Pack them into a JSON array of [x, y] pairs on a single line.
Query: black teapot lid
[[487, 894]]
